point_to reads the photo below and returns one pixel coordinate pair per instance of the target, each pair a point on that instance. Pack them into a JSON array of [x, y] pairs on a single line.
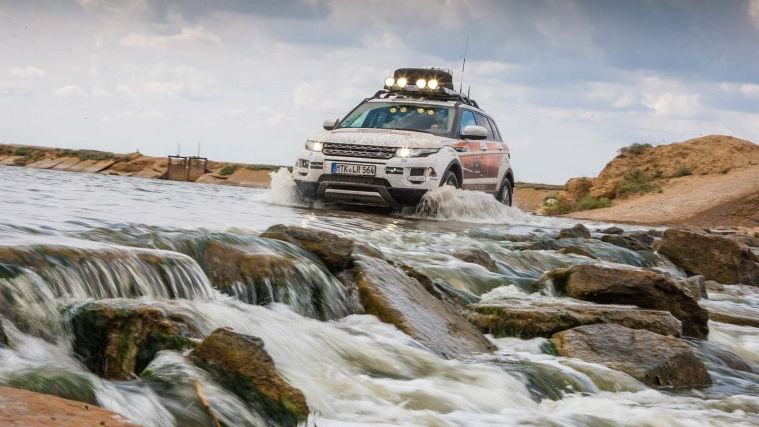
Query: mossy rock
[[241, 365], [48, 380], [117, 343]]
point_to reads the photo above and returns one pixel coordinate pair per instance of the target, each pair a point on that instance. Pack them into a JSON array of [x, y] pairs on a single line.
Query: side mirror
[[474, 132], [330, 124]]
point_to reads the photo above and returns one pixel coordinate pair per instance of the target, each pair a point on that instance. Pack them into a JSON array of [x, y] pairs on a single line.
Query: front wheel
[[506, 192], [450, 178]]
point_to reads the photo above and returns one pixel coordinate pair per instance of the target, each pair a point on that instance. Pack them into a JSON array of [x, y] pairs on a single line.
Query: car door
[[491, 155], [471, 159]]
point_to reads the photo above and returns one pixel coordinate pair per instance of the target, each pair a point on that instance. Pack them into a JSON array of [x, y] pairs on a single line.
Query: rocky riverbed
[[175, 304]]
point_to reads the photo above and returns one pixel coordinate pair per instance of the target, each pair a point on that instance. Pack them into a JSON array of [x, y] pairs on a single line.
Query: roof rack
[[411, 92]]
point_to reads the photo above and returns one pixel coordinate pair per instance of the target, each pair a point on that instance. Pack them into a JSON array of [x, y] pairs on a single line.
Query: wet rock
[[241, 364], [735, 315], [394, 297], [227, 264], [644, 289], [117, 343], [3, 337], [477, 256], [634, 242], [26, 408], [58, 382], [454, 298], [716, 258], [333, 250], [534, 318], [707, 351], [576, 250], [578, 231], [695, 286], [656, 360], [260, 275], [517, 238], [542, 245], [612, 230]]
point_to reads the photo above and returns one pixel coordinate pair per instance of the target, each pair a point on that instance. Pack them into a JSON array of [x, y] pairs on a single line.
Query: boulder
[[634, 242], [26, 408], [645, 289], [333, 250], [527, 318], [56, 381], [576, 250], [394, 297], [578, 231], [241, 364], [715, 257], [477, 256], [612, 230], [734, 314], [117, 343], [695, 286], [656, 360], [575, 189], [260, 275], [3, 337]]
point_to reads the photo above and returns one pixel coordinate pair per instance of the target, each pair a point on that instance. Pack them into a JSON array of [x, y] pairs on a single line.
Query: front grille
[[350, 179], [353, 150]]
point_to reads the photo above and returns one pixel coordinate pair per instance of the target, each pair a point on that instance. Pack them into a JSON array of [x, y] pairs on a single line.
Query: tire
[[450, 178], [506, 193]]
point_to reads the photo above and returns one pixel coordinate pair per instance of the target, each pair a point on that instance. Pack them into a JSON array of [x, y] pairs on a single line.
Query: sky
[[568, 82]]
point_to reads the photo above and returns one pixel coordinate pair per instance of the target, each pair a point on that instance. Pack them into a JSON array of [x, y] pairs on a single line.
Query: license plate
[[349, 169]]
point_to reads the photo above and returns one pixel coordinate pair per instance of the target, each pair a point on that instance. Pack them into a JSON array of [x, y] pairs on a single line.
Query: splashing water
[[449, 203], [282, 190]]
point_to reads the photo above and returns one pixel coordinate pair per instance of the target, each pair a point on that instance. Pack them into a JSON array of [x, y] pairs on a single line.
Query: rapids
[[132, 241]]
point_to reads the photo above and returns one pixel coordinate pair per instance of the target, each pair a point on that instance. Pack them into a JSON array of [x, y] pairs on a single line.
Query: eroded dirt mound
[[708, 155]]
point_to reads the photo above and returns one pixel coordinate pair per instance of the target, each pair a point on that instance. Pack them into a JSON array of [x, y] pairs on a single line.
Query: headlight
[[314, 146], [415, 152]]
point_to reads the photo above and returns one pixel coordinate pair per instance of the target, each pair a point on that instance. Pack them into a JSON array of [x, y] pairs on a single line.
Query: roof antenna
[[468, 91], [463, 64]]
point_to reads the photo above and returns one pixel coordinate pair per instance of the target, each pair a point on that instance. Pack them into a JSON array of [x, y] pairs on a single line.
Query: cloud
[[69, 91], [167, 82], [750, 90], [27, 72], [753, 12], [188, 35]]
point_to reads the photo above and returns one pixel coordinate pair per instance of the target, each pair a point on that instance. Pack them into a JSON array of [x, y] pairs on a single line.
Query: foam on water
[[282, 190]]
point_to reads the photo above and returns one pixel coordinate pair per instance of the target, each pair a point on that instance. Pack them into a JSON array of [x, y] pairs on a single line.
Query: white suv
[[404, 141]]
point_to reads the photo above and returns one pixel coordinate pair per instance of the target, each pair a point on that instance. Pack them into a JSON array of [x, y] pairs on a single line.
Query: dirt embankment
[[530, 197], [132, 164], [708, 181]]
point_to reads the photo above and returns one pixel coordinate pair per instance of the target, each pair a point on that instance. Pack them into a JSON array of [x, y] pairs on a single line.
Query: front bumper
[[397, 182]]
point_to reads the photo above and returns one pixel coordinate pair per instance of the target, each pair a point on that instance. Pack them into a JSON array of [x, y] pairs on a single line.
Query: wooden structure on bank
[[183, 168]]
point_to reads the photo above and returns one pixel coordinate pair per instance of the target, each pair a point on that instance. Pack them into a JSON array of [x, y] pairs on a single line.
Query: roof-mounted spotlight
[[421, 83], [401, 82], [432, 84], [389, 82]]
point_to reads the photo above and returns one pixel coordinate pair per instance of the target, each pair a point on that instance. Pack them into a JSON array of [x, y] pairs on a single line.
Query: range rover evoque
[[414, 135]]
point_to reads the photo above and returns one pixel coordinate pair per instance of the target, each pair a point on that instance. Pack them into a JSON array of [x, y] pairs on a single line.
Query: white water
[[355, 370]]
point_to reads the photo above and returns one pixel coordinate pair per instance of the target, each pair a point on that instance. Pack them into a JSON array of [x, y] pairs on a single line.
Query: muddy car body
[[404, 141]]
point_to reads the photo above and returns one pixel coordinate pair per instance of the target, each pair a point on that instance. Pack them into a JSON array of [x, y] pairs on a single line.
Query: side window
[[483, 121], [467, 118], [496, 132]]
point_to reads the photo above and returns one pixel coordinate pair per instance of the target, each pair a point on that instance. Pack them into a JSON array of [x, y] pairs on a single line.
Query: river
[[352, 368]]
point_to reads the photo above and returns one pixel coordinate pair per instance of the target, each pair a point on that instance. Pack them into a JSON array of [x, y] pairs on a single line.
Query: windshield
[[415, 117]]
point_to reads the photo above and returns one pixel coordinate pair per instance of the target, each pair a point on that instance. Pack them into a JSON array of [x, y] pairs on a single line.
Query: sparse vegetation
[[228, 170], [22, 151], [88, 154], [635, 182], [658, 174], [553, 206], [589, 202], [263, 167], [636, 148], [682, 171]]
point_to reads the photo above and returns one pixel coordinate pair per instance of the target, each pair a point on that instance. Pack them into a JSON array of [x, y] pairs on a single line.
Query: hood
[[382, 138]]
